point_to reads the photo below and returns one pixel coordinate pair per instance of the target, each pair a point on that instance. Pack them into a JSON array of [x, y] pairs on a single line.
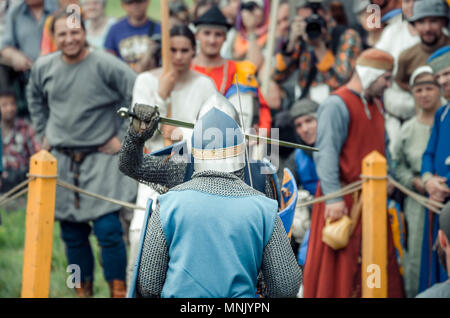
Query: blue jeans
[[108, 231]]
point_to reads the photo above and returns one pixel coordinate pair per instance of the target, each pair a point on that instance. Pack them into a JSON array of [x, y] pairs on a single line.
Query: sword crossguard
[[125, 112]]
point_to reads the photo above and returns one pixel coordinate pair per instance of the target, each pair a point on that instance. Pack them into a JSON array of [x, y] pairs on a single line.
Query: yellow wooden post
[[39, 226], [374, 227]]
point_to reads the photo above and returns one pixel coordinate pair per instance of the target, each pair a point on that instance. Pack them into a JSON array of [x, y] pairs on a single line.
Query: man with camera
[[350, 126], [324, 56]]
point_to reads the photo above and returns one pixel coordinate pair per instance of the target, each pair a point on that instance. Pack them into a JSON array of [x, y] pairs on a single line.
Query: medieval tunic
[[74, 105], [410, 146], [330, 273], [435, 161]]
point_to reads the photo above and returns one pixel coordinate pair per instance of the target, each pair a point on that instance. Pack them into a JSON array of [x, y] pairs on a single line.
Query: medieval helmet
[[218, 143], [220, 102]]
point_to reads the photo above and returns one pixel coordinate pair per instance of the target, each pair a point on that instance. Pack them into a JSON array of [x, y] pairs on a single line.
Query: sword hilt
[[125, 112]]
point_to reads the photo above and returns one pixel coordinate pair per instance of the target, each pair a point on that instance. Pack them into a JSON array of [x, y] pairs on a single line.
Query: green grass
[[12, 230], [12, 237], [114, 9]]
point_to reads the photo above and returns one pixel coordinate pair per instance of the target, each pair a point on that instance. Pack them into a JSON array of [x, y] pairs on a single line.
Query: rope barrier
[[431, 205], [18, 187], [424, 201], [16, 193], [349, 189], [376, 178], [71, 187], [41, 176], [13, 197]]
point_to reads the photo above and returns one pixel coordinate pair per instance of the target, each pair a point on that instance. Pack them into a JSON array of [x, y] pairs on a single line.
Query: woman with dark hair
[[180, 92]]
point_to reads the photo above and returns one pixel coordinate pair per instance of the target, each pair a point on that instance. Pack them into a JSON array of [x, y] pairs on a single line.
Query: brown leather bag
[[337, 234]]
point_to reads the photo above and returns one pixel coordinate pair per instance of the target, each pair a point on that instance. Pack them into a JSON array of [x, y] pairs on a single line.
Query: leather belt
[[77, 156]]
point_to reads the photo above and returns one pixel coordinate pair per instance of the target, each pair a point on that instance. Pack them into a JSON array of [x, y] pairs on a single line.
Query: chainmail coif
[[282, 274]]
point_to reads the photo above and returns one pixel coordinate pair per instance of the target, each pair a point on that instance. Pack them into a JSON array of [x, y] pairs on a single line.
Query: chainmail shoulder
[[281, 273], [155, 171], [218, 183], [154, 260], [269, 188]]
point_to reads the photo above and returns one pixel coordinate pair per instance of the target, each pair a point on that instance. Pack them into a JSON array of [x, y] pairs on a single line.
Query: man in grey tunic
[[73, 96]]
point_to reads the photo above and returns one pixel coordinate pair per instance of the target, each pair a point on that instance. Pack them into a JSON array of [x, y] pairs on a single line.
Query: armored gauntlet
[[146, 120]]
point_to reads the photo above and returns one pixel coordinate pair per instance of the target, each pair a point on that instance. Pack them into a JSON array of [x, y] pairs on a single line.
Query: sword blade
[[281, 142], [175, 122], [125, 113]]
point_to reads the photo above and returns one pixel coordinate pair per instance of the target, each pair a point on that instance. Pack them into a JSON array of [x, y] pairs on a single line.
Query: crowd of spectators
[[325, 54]]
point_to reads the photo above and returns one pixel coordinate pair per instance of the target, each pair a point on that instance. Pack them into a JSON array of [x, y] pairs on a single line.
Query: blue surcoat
[[306, 171], [193, 222], [436, 160]]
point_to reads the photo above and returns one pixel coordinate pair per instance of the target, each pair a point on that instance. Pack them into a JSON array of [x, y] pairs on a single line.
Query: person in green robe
[[408, 152]]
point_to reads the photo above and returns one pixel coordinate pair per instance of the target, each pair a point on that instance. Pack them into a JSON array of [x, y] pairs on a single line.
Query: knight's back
[[213, 213]]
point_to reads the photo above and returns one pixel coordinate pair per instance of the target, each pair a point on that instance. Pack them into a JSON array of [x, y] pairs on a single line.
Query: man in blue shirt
[[436, 171], [133, 38], [20, 44], [436, 159], [303, 115], [442, 290], [21, 41]]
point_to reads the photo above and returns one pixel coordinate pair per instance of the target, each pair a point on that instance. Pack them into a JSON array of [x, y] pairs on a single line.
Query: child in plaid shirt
[[19, 142]]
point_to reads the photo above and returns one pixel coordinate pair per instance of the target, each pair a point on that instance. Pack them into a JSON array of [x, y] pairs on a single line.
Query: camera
[[314, 25]]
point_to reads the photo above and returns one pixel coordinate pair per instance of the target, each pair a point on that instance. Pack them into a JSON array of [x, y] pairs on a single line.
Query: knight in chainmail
[[165, 172], [214, 223]]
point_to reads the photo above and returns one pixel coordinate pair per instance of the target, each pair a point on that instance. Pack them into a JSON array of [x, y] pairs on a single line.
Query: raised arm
[[163, 170]]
